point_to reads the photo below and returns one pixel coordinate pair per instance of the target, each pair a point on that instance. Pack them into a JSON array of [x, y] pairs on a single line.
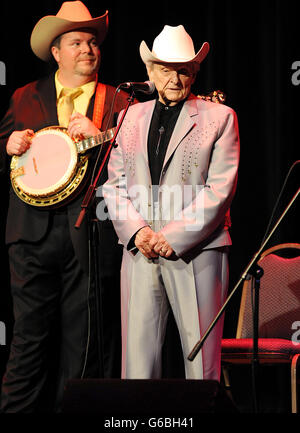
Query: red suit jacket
[[34, 106]]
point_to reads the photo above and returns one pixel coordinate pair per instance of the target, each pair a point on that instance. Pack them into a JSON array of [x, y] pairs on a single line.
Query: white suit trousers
[[195, 291]]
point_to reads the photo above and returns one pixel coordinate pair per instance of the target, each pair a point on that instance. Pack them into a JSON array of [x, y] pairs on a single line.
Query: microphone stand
[[256, 271], [85, 206], [91, 190]]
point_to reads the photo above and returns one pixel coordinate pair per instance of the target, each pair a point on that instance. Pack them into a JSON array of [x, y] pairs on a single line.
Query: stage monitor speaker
[[145, 397]]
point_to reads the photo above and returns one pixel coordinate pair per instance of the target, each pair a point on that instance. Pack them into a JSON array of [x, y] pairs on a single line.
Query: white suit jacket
[[197, 182]]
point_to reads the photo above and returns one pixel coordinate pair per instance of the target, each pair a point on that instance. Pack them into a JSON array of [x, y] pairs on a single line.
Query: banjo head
[[43, 174]]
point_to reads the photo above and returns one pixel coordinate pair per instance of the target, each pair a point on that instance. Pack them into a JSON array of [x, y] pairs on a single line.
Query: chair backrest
[[279, 295]]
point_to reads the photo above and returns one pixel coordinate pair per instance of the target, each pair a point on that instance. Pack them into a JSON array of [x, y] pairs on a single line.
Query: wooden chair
[[279, 316]]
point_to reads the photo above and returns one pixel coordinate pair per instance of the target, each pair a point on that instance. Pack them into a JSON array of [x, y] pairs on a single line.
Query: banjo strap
[[99, 105]]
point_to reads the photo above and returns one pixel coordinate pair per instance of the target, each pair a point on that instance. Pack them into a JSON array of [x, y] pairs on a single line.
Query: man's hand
[[152, 244], [145, 240], [82, 127], [162, 247], [19, 142]]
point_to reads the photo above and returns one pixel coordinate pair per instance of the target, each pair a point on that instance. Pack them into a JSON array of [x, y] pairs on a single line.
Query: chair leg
[[294, 366]]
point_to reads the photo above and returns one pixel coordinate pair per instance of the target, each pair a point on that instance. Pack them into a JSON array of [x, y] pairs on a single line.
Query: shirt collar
[[88, 88], [171, 108]]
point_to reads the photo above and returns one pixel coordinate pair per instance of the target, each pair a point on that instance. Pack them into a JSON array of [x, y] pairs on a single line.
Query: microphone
[[147, 87]]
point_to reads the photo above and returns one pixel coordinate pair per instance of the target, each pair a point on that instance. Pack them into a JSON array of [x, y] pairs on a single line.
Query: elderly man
[[171, 182], [52, 282]]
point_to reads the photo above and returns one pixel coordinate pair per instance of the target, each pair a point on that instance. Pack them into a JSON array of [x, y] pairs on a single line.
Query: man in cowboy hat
[[51, 280], [171, 181]]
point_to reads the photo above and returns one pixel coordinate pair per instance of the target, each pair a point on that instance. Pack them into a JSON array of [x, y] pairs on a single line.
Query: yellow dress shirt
[[82, 101]]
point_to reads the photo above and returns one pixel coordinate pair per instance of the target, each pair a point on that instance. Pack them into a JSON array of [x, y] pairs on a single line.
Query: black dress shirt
[[161, 128]]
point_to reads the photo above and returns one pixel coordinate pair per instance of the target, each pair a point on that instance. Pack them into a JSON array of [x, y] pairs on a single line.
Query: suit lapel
[[47, 98], [184, 125], [145, 121]]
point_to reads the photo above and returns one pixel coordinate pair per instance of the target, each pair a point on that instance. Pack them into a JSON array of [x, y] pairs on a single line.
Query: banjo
[[52, 169]]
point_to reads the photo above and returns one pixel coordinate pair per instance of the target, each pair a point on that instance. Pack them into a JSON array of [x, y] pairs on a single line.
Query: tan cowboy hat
[[72, 15], [173, 45]]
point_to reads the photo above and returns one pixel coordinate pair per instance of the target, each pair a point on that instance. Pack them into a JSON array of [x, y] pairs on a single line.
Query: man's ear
[[149, 68], [55, 53]]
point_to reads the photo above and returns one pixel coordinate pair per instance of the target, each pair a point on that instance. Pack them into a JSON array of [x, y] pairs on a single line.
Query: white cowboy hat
[[72, 15], [173, 45]]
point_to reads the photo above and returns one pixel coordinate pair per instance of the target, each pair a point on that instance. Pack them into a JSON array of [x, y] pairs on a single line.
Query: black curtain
[[254, 48]]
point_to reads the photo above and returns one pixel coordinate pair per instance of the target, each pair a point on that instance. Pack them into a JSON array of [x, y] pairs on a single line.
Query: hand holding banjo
[[19, 142], [81, 127]]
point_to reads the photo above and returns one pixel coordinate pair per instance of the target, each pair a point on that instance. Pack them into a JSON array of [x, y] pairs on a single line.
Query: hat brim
[[50, 27], [149, 57]]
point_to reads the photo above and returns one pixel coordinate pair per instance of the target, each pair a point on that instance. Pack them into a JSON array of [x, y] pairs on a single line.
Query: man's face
[[172, 81], [78, 54]]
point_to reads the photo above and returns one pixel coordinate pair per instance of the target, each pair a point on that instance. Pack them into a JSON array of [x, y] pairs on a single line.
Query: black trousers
[[53, 336]]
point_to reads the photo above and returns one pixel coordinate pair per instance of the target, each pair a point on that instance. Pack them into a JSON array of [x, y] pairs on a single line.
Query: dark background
[[253, 47]]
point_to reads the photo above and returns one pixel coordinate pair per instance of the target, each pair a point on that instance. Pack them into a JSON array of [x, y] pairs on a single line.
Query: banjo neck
[[89, 143]]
